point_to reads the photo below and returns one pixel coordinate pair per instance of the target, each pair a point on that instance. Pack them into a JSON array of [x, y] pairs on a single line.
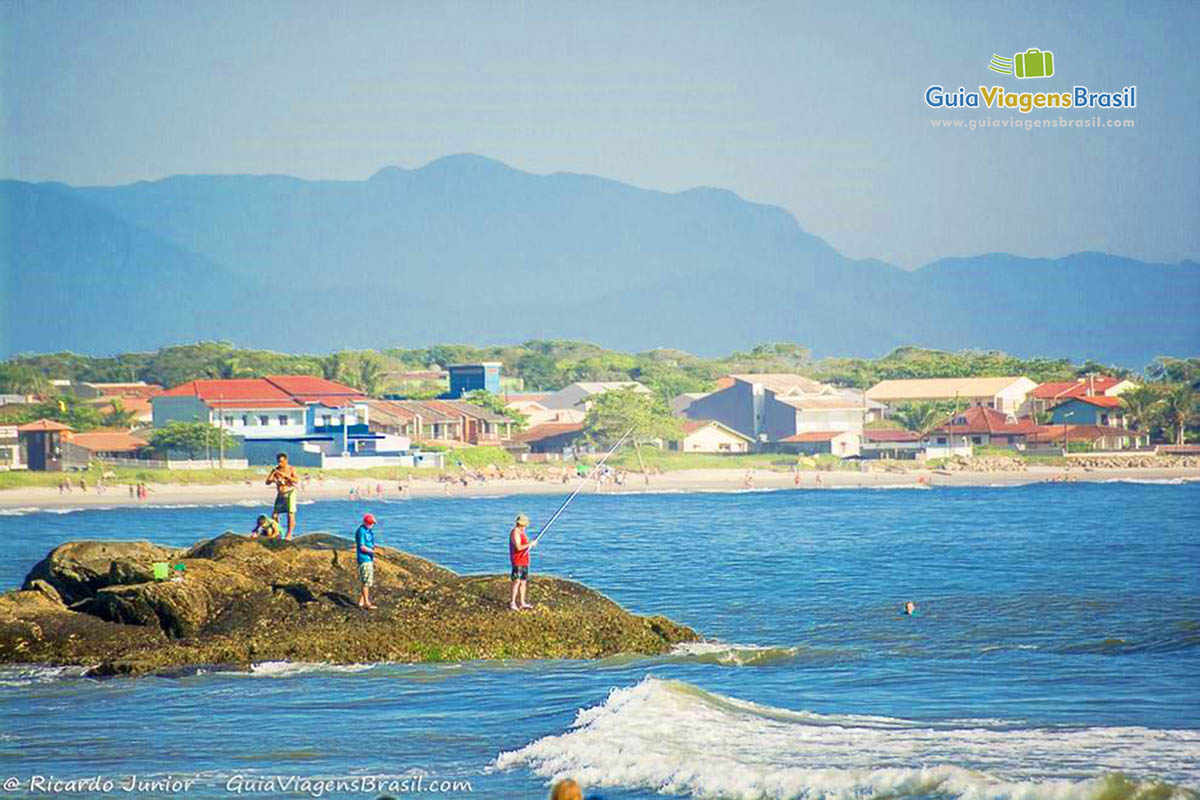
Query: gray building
[[769, 407]]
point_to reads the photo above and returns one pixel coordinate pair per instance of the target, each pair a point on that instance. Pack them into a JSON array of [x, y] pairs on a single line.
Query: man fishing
[[519, 546], [285, 479]]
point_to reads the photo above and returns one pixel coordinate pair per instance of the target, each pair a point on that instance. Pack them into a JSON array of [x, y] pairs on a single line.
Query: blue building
[[1093, 410], [467, 378]]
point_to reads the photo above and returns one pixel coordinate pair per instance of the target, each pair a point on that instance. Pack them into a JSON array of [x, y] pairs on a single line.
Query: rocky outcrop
[[240, 600]]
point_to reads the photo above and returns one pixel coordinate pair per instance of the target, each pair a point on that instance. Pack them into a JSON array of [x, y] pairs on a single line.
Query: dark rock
[[242, 600]]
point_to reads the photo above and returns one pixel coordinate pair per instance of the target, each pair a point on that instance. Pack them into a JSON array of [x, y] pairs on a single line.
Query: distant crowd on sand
[[137, 491]]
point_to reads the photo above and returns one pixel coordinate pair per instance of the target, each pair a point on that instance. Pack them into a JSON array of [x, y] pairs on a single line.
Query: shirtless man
[[284, 478]]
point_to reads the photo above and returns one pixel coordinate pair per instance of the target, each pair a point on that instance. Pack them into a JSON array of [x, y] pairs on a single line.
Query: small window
[[283, 419], [264, 419], [977, 439], [246, 419], [941, 439]]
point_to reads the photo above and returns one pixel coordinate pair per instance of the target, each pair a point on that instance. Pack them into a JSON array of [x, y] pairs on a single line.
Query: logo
[[1033, 63]]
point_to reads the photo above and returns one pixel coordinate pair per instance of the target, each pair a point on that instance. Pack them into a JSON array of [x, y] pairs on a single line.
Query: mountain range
[[466, 249]]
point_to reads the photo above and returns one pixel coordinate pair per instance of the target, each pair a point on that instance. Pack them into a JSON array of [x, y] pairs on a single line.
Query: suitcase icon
[[1034, 63]]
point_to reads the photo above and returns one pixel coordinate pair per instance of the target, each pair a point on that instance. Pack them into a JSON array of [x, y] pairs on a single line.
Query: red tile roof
[[1102, 401], [270, 392], [108, 442], [548, 429], [1078, 388], [42, 425], [1090, 433], [815, 436], [981, 420]]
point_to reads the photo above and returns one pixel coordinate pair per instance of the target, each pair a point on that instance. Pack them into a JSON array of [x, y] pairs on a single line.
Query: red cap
[[368, 519]]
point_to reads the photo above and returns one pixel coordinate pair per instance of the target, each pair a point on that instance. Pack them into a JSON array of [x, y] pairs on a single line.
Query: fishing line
[[582, 483]]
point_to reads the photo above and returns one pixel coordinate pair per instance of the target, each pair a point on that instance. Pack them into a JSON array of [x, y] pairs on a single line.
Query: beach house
[[1047, 395], [551, 439], [710, 436], [768, 407], [1089, 410], [844, 444], [317, 422], [581, 394], [978, 426], [1006, 394]]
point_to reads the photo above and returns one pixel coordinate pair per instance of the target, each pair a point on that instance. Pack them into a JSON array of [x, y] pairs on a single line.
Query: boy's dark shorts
[[520, 573]]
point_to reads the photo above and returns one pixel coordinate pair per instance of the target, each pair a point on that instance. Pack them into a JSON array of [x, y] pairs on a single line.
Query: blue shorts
[[520, 573]]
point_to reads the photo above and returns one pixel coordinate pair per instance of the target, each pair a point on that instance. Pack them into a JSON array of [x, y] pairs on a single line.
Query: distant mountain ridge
[[468, 249]]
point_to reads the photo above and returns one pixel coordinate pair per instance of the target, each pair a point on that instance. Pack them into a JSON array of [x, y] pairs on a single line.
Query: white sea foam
[[288, 669], [1153, 481], [675, 738], [729, 654], [27, 675]]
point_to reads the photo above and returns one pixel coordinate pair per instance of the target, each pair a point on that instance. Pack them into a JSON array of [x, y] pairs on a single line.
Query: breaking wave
[[675, 738]]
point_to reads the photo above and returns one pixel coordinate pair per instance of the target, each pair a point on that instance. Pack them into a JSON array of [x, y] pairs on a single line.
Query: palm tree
[[1141, 407], [370, 376], [229, 368], [119, 416], [919, 417], [332, 366], [1179, 408]]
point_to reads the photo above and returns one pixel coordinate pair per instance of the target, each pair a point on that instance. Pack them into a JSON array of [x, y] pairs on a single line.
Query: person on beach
[[285, 479], [364, 548], [266, 528], [518, 556]]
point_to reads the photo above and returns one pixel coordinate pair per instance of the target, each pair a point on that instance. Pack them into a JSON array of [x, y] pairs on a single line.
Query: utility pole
[[221, 430]]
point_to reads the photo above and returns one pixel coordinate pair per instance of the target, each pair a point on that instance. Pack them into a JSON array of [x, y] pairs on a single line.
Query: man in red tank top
[[518, 555]]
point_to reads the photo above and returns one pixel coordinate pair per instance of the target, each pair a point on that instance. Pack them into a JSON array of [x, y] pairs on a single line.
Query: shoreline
[[682, 481]]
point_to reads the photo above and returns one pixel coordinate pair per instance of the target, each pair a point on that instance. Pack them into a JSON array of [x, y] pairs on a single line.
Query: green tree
[[616, 411], [333, 366], [118, 416], [1178, 409], [1141, 407], [370, 375], [494, 403], [194, 438], [921, 417]]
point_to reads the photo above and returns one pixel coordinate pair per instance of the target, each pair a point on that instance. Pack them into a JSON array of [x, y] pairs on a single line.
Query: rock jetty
[[239, 600]]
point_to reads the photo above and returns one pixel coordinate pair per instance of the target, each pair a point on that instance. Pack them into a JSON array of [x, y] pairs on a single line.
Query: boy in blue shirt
[[364, 548]]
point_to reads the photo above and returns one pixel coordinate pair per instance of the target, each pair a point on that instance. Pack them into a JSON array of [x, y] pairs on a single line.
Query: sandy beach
[[698, 480]]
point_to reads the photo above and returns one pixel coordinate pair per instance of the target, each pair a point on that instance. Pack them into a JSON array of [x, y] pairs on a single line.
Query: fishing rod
[[582, 483]]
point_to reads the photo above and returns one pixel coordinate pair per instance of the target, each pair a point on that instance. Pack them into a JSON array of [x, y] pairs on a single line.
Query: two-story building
[[1089, 410], [311, 419], [769, 407], [1006, 395]]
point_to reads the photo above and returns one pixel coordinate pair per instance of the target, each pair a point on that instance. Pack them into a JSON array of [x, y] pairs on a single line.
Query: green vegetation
[[1165, 410], [547, 364], [194, 438], [620, 410]]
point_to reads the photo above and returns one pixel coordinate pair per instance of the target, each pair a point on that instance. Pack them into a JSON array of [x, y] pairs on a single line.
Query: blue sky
[[816, 107]]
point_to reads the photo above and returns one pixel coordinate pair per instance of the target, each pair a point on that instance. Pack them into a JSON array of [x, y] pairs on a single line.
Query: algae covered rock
[[77, 569], [240, 600]]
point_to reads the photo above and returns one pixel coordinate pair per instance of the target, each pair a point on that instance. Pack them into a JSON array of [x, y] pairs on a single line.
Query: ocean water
[[1055, 655]]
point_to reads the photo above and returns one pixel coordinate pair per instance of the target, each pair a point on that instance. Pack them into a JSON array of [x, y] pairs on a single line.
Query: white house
[[710, 436]]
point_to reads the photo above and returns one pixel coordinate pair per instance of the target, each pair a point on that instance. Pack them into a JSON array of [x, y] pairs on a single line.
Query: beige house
[[709, 436], [1005, 394]]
